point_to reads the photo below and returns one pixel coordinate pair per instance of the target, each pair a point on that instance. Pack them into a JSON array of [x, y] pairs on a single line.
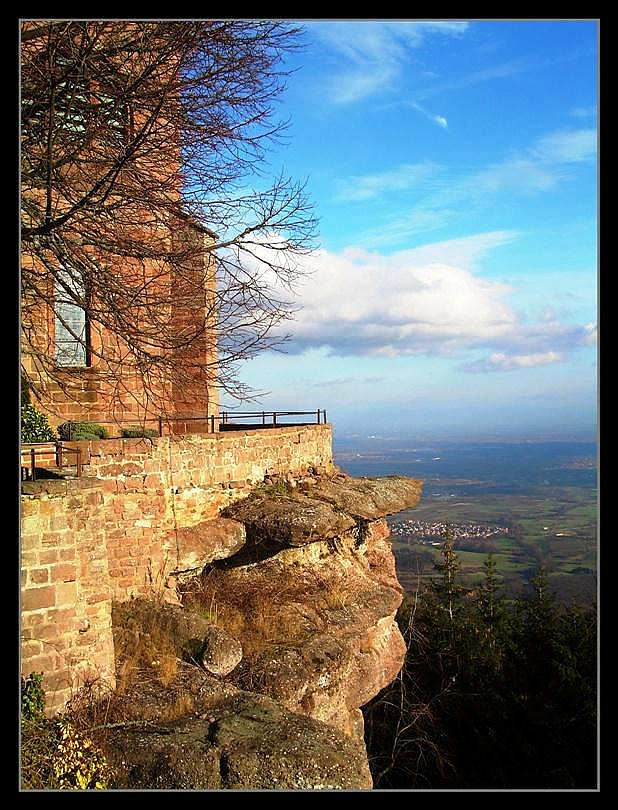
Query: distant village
[[434, 534]]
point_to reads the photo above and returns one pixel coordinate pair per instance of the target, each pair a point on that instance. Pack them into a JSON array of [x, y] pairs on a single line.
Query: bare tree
[[144, 149]]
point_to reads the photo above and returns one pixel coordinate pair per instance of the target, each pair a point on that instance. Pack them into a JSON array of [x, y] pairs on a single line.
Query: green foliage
[[54, 754], [35, 426], [138, 433], [276, 488], [446, 587], [78, 764], [493, 694], [25, 390], [32, 696], [81, 431]]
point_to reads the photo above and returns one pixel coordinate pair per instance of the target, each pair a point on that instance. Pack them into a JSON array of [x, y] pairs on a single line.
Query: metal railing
[[226, 420], [156, 423], [48, 455], [232, 420]]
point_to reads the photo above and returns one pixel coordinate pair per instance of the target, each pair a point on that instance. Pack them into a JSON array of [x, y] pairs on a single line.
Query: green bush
[[139, 433], [25, 390], [55, 755], [34, 426], [32, 696], [81, 431]]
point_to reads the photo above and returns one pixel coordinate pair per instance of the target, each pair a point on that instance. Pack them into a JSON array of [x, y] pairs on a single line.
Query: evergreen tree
[[490, 613], [493, 694], [446, 586]]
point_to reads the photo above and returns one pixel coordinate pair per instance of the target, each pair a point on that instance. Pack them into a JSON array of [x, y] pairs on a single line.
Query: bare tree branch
[[141, 144]]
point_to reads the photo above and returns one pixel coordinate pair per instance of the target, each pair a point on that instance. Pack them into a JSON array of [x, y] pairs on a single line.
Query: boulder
[[221, 652], [275, 521], [369, 498], [247, 742], [195, 637], [329, 508], [196, 546]]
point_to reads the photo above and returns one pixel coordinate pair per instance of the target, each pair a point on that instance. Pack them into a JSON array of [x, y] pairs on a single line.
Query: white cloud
[[459, 82], [371, 54], [421, 301], [545, 166], [589, 337], [566, 146], [440, 120], [370, 186], [542, 167], [519, 174], [427, 301], [583, 112], [500, 361]]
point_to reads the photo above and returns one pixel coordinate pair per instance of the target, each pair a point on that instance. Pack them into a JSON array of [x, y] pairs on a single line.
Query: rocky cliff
[[280, 616]]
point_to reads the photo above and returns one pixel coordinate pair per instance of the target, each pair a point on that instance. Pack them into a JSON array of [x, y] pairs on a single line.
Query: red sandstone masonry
[[103, 537]]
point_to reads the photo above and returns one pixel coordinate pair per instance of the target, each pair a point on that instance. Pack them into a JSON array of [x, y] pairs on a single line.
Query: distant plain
[[545, 493]]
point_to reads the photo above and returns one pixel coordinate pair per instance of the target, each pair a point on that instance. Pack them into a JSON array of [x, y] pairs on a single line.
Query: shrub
[[139, 433], [78, 764], [81, 431], [32, 696], [54, 754], [34, 426], [25, 391]]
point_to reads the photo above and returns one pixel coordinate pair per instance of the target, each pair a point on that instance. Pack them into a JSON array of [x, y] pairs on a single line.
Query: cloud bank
[[428, 301]]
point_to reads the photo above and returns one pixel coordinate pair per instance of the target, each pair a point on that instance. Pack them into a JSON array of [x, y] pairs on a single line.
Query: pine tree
[[446, 587], [490, 610]]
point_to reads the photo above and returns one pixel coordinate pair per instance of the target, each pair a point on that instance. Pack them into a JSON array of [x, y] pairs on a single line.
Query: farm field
[[556, 528], [541, 497]]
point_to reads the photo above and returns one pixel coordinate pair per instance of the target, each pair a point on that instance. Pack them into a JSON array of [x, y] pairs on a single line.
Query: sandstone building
[[118, 311]]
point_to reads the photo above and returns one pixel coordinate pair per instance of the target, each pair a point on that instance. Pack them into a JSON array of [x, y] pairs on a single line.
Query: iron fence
[[46, 455]]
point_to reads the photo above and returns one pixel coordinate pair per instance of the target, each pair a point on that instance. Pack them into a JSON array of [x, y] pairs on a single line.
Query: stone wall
[[109, 535], [66, 590]]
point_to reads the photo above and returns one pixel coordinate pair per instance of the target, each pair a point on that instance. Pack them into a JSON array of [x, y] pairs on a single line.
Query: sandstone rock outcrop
[[309, 598], [328, 508]]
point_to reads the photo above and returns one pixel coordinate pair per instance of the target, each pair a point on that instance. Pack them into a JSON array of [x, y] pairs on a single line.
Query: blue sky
[[453, 168]]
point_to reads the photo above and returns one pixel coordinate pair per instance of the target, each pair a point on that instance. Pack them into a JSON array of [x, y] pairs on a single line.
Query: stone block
[[39, 576], [34, 524], [63, 572], [30, 542], [38, 598], [29, 507], [30, 648], [38, 663], [110, 470]]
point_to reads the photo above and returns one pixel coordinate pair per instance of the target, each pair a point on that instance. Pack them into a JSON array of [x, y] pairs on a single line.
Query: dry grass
[[182, 705], [260, 612], [337, 597], [142, 646]]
